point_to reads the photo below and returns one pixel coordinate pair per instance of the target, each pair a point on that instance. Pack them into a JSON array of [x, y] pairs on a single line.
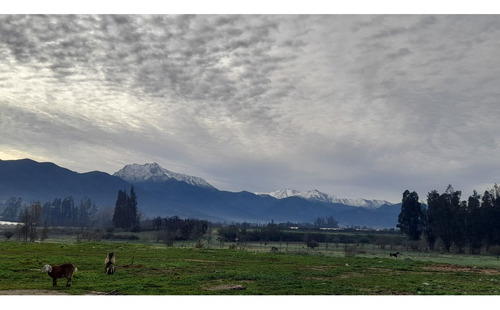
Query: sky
[[352, 105]]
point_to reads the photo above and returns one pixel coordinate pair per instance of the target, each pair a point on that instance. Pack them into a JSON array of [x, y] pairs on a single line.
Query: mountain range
[[162, 192], [319, 196]]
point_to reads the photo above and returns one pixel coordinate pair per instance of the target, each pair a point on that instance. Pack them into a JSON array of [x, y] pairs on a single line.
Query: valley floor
[[155, 269]]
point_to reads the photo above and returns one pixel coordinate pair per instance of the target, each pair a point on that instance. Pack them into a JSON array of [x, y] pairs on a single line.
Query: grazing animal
[[394, 254], [109, 263], [60, 271]]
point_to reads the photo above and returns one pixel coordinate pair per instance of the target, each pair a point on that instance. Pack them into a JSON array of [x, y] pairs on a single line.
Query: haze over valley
[[165, 193]]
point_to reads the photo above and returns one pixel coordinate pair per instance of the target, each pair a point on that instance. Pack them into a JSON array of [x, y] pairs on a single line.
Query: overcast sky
[[352, 105]]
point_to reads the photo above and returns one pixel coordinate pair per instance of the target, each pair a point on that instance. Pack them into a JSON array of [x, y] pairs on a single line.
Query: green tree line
[[457, 223], [175, 228], [274, 232], [59, 212]]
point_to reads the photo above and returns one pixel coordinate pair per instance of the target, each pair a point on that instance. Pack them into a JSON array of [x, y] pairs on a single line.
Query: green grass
[[152, 269]]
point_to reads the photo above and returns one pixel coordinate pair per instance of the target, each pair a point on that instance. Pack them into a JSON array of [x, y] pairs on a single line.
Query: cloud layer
[[353, 105]]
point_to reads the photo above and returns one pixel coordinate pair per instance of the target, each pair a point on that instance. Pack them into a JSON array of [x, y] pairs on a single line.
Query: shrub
[[350, 250], [495, 250], [199, 244], [312, 244], [120, 237], [8, 234]]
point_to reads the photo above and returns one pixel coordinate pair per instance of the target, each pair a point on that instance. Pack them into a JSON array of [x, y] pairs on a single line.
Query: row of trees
[[64, 212], [457, 223], [59, 212], [272, 232], [328, 222], [175, 228]]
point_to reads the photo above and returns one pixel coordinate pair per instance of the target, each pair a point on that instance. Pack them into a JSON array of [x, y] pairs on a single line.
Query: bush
[[495, 250], [120, 237], [350, 250], [8, 234], [312, 244]]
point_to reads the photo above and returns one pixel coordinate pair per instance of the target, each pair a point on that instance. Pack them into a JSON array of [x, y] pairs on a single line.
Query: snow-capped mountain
[[154, 173], [320, 196], [283, 193], [162, 195]]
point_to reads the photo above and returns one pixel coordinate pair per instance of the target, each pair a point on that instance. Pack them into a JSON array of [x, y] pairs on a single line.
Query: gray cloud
[[364, 105]]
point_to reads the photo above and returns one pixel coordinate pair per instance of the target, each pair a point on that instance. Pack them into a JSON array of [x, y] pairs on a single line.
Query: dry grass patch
[[456, 268], [226, 287], [320, 268], [31, 292]]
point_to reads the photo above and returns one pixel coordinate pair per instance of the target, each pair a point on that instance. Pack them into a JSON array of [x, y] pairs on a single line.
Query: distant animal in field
[[109, 263], [394, 254], [60, 271]]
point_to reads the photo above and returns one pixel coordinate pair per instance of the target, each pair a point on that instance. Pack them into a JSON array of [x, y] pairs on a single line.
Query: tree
[[68, 211], [494, 217], [45, 232], [442, 215], [411, 219], [328, 222], [311, 241], [430, 234], [319, 222], [312, 244], [491, 213], [12, 207], [157, 223], [29, 219], [133, 211], [120, 214], [126, 212], [228, 233], [459, 233], [8, 234], [86, 212], [475, 223], [331, 222]]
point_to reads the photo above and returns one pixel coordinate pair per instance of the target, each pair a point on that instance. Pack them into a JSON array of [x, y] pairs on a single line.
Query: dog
[[394, 254]]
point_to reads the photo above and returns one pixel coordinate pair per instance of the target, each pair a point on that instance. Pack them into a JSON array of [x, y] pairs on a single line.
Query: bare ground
[[30, 292], [454, 268]]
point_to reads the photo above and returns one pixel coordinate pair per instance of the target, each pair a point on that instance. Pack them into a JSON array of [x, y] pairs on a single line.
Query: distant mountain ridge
[[34, 181], [163, 193], [320, 196], [152, 172]]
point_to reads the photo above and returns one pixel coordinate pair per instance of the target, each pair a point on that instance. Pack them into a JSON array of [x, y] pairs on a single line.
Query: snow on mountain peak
[[323, 197], [152, 172], [284, 193]]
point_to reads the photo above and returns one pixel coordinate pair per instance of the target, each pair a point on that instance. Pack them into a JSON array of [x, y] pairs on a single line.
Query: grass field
[[154, 269]]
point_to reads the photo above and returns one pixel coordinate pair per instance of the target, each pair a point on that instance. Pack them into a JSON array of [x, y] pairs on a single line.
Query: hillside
[[169, 196]]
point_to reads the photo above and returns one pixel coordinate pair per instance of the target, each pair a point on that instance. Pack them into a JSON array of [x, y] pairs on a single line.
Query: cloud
[[348, 104]]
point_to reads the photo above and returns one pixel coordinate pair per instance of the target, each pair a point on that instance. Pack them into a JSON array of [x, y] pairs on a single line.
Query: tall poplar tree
[[119, 216], [133, 211], [411, 220], [126, 214], [475, 224], [442, 215]]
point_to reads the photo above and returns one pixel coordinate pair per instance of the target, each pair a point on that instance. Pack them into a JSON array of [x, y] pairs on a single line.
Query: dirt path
[[30, 292]]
